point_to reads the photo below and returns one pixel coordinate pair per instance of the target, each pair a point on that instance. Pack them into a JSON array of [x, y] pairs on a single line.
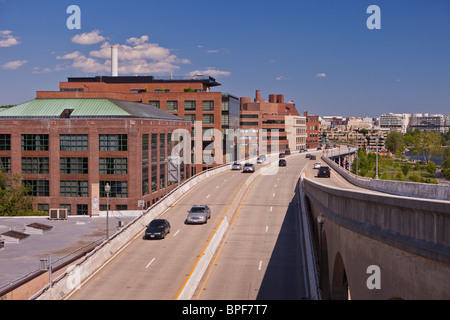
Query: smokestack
[[114, 61]]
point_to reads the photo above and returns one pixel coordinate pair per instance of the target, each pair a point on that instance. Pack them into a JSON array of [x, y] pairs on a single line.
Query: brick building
[[189, 98], [267, 117], [312, 131], [69, 149]]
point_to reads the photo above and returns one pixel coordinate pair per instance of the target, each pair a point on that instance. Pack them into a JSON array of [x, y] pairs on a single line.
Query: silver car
[[249, 167], [236, 166], [199, 214]]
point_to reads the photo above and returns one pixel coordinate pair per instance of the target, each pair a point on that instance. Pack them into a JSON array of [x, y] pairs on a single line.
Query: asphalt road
[[157, 269], [261, 256]]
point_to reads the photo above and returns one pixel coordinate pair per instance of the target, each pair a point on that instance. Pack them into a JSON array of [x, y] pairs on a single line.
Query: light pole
[[107, 189], [376, 169]]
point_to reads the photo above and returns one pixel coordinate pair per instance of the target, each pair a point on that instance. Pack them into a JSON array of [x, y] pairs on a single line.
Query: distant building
[[265, 120], [395, 122], [429, 122], [296, 132], [68, 150], [312, 131]]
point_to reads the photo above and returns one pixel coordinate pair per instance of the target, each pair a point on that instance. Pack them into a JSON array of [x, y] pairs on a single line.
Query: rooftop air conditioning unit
[[58, 214]]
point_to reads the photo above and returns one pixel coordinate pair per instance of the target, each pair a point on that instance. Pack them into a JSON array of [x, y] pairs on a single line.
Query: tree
[[426, 145], [15, 198], [394, 142], [431, 167]]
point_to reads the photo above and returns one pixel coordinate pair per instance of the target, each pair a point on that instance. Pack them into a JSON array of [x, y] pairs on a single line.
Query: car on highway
[[236, 166], [287, 152], [308, 155], [312, 157], [282, 163], [198, 214], [157, 228], [281, 155], [324, 171], [317, 165], [261, 159], [249, 167]]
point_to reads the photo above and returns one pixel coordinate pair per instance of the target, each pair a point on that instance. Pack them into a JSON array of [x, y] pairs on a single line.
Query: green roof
[[53, 108]]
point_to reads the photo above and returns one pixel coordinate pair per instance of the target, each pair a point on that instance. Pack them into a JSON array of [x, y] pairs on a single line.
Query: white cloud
[[321, 75], [13, 65], [7, 39], [138, 57], [281, 78], [92, 37], [210, 72]]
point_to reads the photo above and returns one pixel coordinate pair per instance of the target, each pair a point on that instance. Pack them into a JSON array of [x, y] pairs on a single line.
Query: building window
[[73, 165], [208, 105], [225, 119], [73, 188], [208, 119], [66, 206], [172, 105], [5, 142], [145, 164], [82, 209], [35, 142], [154, 104], [120, 207], [113, 166], [154, 159], [189, 117], [43, 207], [119, 189], [73, 142], [39, 188], [189, 105], [113, 142], [5, 164], [35, 165]]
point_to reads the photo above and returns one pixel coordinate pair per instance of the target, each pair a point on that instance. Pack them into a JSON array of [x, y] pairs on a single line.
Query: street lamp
[[107, 190], [376, 169]]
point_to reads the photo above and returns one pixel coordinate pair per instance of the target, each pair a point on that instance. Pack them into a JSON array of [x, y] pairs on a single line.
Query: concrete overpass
[[374, 245]]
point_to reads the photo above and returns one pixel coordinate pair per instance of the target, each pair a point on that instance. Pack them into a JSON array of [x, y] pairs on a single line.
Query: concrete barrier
[[401, 188]]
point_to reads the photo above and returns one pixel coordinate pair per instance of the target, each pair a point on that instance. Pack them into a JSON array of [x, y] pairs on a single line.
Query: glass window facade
[[73, 165], [73, 142], [73, 188], [35, 142], [113, 142], [37, 165]]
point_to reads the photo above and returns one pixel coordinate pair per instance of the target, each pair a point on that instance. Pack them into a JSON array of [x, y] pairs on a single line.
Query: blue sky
[[318, 53]]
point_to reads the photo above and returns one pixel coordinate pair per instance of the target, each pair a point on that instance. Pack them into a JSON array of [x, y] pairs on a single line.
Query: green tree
[[405, 169], [15, 198], [431, 167], [426, 145], [394, 142]]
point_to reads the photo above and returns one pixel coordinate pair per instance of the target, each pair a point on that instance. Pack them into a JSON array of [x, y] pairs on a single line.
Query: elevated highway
[[263, 250]]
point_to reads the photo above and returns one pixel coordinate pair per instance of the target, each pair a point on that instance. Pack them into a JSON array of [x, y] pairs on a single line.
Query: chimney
[[258, 96], [114, 61]]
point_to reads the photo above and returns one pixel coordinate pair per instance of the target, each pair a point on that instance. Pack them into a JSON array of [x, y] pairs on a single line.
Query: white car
[[249, 167], [317, 165]]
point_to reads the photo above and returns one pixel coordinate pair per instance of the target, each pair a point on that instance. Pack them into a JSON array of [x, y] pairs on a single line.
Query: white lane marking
[[176, 233], [267, 228], [260, 265], [271, 209], [273, 196], [148, 265], [217, 187], [275, 185], [208, 196]]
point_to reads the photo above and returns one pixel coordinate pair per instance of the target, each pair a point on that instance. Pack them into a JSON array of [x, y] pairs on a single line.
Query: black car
[[282, 163], [287, 152], [158, 228], [281, 155], [312, 157], [324, 171]]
